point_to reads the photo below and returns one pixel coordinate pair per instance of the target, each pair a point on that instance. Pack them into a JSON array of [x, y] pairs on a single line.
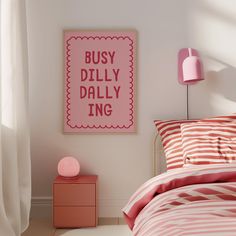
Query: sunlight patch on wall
[[214, 31], [213, 64], [223, 8]]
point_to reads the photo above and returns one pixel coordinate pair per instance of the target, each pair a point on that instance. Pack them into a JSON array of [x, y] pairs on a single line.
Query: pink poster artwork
[[99, 81]]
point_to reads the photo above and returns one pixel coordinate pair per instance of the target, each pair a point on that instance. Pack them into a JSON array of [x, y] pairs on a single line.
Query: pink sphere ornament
[[68, 167]]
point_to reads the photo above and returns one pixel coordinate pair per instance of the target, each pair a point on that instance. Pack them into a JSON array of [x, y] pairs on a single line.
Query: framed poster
[[100, 78]]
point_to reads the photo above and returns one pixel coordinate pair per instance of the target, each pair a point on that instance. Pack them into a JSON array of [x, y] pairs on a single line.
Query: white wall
[[123, 162], [212, 30]]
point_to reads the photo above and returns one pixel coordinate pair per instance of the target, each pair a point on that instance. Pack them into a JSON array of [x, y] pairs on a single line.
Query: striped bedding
[[170, 132], [209, 143], [193, 200]]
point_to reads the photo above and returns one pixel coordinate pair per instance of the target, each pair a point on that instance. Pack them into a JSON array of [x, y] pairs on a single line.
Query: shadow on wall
[[216, 95], [221, 89], [211, 30], [223, 83]]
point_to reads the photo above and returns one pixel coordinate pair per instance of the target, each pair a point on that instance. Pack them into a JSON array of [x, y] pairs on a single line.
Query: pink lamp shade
[[190, 69], [68, 167]]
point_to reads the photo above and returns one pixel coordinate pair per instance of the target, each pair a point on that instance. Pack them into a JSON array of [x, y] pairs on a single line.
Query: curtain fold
[[15, 167]]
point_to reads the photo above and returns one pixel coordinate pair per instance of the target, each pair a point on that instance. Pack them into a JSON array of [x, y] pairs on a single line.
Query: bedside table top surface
[[80, 179]]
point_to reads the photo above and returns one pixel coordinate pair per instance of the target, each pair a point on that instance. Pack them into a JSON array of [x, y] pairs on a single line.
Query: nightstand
[[75, 202]]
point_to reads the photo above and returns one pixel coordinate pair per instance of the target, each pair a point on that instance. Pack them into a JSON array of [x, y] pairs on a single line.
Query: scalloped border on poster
[[100, 79]]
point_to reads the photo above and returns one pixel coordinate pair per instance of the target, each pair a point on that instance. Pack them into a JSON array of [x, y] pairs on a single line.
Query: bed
[[197, 193]]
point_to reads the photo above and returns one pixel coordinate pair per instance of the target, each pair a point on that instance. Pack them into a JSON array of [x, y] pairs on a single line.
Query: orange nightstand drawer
[[74, 194], [73, 217]]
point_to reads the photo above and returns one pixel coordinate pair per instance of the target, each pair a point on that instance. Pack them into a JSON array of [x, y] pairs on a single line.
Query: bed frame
[[159, 163]]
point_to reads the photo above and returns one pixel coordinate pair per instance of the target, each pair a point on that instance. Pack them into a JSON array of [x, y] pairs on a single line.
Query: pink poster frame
[[100, 95]]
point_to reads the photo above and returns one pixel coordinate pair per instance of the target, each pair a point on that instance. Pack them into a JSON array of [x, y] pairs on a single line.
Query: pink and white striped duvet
[[195, 200]]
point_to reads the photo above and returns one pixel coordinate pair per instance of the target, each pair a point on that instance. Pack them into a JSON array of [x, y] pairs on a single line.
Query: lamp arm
[[187, 103], [190, 52]]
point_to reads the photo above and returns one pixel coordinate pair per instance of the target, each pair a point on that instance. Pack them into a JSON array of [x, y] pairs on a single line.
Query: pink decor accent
[[78, 196], [189, 66], [182, 186], [209, 142], [68, 167], [170, 133], [74, 216], [99, 81], [75, 202]]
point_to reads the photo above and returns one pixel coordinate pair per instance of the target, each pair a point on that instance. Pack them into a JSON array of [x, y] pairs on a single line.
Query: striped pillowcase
[[170, 132], [209, 142]]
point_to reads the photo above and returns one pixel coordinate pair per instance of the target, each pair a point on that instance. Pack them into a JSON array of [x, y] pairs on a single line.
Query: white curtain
[[15, 179]]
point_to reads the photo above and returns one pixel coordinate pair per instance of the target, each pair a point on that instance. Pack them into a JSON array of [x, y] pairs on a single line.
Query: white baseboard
[[41, 207]]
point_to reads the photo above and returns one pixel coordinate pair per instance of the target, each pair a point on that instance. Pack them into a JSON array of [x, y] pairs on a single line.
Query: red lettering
[[91, 92], [104, 59], [87, 57], [99, 109], [83, 74], [107, 109], [97, 57], [117, 91], [99, 96], [107, 93], [97, 76], [112, 55], [106, 76], [91, 74], [83, 92], [116, 73], [91, 109]]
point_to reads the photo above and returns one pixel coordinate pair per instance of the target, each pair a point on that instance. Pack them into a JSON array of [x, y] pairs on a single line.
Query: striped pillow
[[209, 142], [170, 132]]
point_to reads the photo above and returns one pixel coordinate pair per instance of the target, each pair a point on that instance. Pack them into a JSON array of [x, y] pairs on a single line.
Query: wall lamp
[[190, 69]]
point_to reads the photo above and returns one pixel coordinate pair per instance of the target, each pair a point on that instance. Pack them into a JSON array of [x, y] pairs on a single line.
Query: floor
[[42, 227]]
